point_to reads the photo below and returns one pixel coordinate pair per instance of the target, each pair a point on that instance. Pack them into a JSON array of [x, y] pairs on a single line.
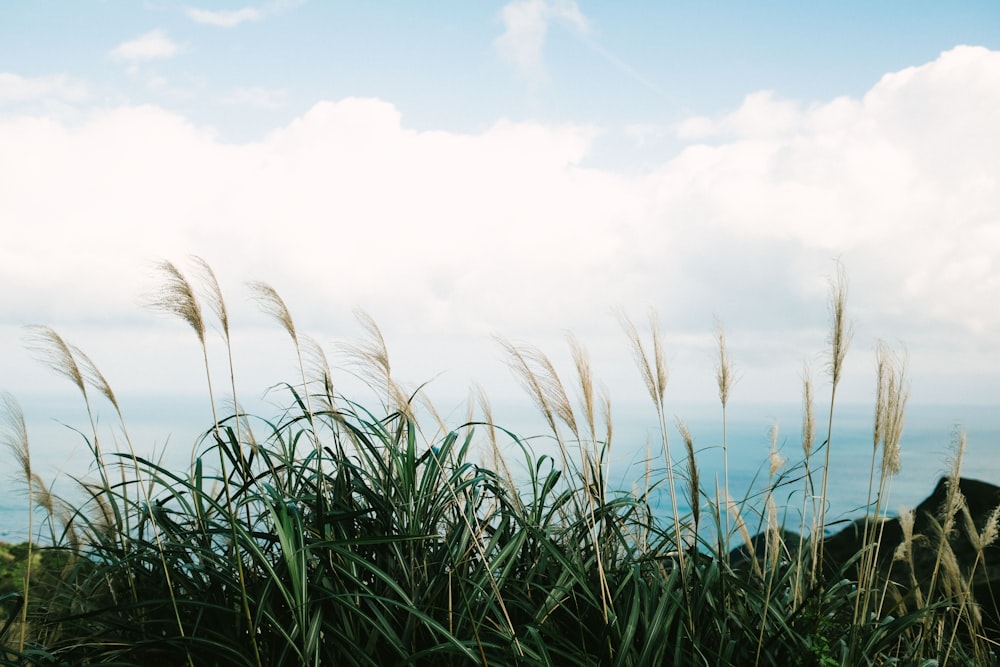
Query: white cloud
[[448, 237], [20, 89], [231, 18], [223, 18], [526, 23], [153, 45], [760, 116]]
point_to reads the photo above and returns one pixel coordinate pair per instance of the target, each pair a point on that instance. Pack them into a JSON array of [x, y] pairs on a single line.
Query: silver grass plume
[[372, 355], [520, 359], [213, 292], [654, 372], [724, 368], [538, 378], [694, 483], [841, 332], [774, 456], [272, 304], [582, 363], [808, 416], [892, 394], [177, 297], [50, 348]]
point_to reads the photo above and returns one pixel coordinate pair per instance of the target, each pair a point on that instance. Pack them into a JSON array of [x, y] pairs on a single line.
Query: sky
[[463, 171]]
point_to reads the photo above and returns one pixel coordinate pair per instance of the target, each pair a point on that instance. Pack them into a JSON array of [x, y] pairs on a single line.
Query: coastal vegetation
[[343, 533]]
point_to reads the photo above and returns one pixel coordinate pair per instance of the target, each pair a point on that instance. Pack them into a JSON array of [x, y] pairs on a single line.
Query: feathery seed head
[[694, 484], [272, 304], [177, 297], [94, 377], [952, 577], [319, 366], [654, 372], [555, 391], [213, 292], [50, 348], [774, 542], [606, 416], [970, 525], [808, 417], [775, 458], [953, 496], [841, 330], [372, 355], [658, 356], [724, 369], [538, 377], [15, 435], [529, 380], [741, 526], [991, 529], [582, 363], [905, 549], [43, 495], [892, 393]]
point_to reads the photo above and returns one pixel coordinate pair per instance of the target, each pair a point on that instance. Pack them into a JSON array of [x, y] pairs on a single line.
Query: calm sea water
[[168, 429]]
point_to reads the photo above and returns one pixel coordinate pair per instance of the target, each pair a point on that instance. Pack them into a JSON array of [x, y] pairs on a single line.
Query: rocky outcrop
[[953, 548]]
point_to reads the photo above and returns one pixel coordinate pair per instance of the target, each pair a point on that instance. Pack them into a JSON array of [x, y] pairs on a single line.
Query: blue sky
[[617, 64], [468, 169]]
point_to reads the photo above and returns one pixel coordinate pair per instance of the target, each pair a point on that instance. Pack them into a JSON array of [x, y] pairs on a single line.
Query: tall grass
[[345, 534]]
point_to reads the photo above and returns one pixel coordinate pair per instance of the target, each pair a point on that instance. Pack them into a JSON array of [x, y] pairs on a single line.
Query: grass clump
[[340, 534]]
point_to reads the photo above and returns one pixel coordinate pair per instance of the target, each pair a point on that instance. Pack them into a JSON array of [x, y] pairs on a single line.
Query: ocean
[[169, 428]]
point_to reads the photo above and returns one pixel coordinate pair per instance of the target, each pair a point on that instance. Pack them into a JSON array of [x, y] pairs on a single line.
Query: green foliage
[[13, 559], [340, 535]]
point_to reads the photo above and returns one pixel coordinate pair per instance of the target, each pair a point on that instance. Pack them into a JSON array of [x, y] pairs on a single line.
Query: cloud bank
[[447, 237]]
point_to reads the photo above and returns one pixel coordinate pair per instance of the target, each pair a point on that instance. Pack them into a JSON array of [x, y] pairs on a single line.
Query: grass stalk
[[839, 340], [724, 381], [177, 297]]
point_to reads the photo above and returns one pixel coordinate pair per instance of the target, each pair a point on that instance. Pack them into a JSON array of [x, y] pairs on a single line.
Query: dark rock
[[901, 572]]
